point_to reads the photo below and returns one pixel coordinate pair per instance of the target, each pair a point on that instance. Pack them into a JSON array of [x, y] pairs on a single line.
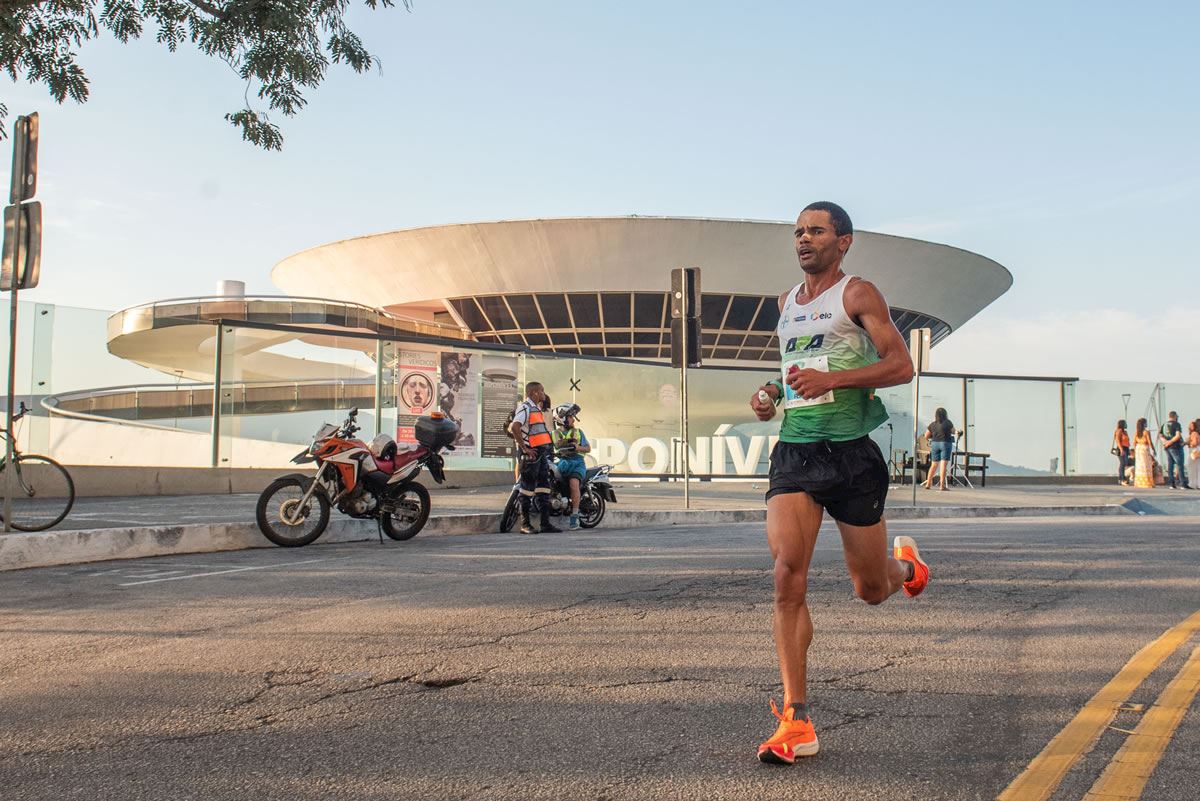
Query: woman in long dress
[[1143, 456]]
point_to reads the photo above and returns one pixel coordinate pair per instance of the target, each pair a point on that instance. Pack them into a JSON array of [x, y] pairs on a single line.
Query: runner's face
[[818, 247], [537, 394]]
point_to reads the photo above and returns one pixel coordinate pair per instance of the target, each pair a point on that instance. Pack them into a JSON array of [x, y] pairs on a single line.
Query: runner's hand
[[810, 384], [763, 409]]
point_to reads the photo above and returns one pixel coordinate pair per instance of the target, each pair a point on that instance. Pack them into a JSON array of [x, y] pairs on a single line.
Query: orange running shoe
[[905, 549], [793, 738]]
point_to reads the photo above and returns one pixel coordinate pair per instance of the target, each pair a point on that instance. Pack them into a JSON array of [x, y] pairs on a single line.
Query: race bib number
[[791, 399]]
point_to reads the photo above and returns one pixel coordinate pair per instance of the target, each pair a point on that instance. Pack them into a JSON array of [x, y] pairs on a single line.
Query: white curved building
[[599, 286], [590, 286]]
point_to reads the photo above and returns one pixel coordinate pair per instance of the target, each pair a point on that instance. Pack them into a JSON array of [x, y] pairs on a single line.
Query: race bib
[[791, 399]]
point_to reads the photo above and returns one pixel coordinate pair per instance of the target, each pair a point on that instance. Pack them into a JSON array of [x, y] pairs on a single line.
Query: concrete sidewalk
[[166, 510], [121, 528]]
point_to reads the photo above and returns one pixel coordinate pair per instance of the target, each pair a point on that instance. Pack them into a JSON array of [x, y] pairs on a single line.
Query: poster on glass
[[458, 398], [416, 382], [500, 397]]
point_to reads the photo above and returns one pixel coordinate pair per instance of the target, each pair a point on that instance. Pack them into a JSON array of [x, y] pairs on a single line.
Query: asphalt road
[[597, 665]]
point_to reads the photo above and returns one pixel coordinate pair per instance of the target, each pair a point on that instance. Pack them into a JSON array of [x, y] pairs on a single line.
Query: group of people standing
[[1136, 462], [539, 442]]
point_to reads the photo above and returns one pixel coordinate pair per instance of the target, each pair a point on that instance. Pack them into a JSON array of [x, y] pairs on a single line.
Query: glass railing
[[275, 390]]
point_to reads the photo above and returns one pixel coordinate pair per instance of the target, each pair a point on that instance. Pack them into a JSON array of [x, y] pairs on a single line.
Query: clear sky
[[1056, 138]]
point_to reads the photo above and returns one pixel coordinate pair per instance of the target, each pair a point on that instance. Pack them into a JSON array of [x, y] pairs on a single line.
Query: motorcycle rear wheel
[[280, 500], [591, 509], [410, 518], [512, 510]]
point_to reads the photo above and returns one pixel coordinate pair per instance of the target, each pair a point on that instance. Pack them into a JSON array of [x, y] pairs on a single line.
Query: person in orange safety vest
[[532, 434]]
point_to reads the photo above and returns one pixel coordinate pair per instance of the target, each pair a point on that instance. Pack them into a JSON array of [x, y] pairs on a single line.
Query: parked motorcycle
[[595, 492], [374, 481]]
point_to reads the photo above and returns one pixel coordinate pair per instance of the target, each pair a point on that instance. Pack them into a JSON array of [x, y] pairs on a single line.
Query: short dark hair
[[841, 220], [529, 387]]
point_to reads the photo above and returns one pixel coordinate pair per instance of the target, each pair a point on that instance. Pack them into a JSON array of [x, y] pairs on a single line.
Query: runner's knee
[[791, 584], [871, 591]]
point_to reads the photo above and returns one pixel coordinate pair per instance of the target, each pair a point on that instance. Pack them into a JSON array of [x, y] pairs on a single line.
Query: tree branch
[[207, 8], [8, 6]]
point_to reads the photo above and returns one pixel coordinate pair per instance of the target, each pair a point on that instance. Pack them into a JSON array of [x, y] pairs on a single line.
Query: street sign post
[[918, 349], [22, 253], [685, 351], [21, 263]]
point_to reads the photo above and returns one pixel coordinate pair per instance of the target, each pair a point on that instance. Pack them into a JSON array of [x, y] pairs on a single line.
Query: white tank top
[[820, 335]]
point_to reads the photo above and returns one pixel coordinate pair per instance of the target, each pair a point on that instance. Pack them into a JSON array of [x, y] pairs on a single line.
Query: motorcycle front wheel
[[283, 520], [591, 509], [512, 509], [410, 512]]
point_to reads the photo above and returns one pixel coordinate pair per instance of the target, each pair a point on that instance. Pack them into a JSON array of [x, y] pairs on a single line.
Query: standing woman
[[1121, 450], [941, 447], [1143, 456], [1193, 454]]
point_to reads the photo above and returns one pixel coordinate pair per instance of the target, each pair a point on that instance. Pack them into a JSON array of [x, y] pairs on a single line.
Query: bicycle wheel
[[42, 495]]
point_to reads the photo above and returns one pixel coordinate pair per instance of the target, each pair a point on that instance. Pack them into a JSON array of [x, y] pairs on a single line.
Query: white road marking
[[231, 570]]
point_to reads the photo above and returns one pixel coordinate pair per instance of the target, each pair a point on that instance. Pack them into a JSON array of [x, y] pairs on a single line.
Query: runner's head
[[823, 235]]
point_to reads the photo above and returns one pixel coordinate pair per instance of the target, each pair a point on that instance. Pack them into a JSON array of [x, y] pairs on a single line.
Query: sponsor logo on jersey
[[805, 343]]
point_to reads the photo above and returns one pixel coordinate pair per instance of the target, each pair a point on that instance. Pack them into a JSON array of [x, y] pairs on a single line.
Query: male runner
[[837, 343]]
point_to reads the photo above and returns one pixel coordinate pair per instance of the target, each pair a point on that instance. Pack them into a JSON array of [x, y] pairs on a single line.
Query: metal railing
[[279, 309]]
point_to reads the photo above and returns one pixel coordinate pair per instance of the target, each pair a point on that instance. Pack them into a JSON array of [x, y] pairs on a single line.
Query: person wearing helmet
[[569, 445]]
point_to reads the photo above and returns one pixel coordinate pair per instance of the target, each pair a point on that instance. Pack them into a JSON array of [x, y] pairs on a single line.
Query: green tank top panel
[[819, 335]]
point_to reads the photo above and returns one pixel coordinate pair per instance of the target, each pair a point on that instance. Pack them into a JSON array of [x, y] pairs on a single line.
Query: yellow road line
[[1040, 778], [1125, 777]]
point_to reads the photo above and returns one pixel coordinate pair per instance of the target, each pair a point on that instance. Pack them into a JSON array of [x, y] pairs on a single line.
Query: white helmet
[[565, 410]]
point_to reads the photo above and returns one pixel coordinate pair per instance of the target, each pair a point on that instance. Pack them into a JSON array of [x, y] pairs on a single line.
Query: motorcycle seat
[[408, 455], [591, 472]]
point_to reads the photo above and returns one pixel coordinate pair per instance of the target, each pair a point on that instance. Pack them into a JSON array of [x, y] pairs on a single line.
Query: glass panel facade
[[554, 311], [277, 387], [1019, 423], [525, 311], [616, 310], [585, 309], [648, 310]]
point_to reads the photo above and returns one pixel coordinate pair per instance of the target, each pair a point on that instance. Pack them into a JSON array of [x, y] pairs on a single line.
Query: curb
[[47, 549]]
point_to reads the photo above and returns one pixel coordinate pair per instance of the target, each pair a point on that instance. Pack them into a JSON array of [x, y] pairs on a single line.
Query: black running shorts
[[849, 479]]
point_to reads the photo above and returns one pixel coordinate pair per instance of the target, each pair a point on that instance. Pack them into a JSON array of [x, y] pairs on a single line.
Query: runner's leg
[[793, 520], [875, 573]]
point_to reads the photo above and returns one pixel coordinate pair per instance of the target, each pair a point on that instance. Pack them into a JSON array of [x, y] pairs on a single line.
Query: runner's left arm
[[865, 304]]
